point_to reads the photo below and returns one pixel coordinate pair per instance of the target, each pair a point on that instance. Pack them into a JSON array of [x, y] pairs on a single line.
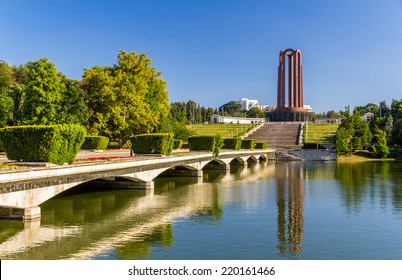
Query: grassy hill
[[225, 130], [319, 133]]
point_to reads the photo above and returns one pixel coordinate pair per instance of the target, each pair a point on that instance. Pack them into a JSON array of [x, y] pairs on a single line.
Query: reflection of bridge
[[123, 219], [21, 193]]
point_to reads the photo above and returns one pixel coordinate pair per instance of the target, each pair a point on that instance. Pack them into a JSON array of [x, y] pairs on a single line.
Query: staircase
[[282, 136]]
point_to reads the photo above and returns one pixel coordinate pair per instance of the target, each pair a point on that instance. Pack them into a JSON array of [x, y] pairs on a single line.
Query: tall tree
[[6, 101], [128, 98], [43, 93], [73, 108], [232, 108]]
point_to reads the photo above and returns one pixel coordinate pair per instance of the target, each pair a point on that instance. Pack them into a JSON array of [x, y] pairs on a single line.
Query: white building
[[224, 119], [247, 104]]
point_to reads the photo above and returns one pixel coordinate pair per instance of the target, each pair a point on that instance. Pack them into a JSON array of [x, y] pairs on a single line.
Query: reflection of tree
[[353, 178], [214, 210], [360, 179], [289, 201], [140, 248], [9, 228]]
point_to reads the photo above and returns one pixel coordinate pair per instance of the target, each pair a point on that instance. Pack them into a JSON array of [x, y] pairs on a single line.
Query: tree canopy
[[126, 99]]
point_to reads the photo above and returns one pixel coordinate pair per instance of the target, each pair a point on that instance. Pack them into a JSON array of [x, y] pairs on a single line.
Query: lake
[[269, 210]]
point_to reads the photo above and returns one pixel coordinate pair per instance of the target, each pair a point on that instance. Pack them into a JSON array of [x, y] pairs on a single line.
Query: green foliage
[[255, 113], [126, 99], [43, 93], [232, 108], [177, 143], [95, 142], [260, 145], [343, 139], [232, 143], [379, 143], [218, 144], [397, 132], [185, 112], [206, 143], [248, 143], [203, 143], [6, 101], [352, 135], [55, 143], [73, 108], [155, 143]]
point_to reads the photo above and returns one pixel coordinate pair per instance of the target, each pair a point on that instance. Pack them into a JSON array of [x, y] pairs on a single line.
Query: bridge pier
[[123, 184], [182, 172], [28, 214]]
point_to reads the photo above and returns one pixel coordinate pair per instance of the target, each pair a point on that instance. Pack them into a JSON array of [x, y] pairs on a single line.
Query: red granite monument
[[293, 110]]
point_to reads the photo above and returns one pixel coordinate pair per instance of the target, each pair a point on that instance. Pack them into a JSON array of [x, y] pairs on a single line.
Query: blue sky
[[216, 51]]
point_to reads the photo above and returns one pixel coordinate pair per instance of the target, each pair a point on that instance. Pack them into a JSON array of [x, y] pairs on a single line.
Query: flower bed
[[103, 158]]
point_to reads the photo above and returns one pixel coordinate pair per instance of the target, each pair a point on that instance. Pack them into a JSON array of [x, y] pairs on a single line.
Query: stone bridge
[[21, 192]]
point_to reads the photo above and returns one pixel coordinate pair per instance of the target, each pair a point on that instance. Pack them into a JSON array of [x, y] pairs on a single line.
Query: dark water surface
[[270, 210]]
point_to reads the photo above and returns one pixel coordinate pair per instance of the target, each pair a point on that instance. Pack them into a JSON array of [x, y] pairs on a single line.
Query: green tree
[[232, 108], [352, 135], [20, 78], [43, 93], [362, 136], [389, 127], [6, 101], [255, 113], [397, 132], [379, 143], [126, 99], [73, 107], [343, 140]]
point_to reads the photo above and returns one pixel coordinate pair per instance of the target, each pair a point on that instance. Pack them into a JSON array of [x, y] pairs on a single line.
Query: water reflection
[[289, 201], [90, 223]]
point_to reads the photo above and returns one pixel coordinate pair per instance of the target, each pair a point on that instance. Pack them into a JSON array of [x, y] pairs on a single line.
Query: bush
[[155, 143], [248, 143], [260, 145], [232, 143], [177, 144], [206, 143], [201, 143], [53, 143], [95, 142]]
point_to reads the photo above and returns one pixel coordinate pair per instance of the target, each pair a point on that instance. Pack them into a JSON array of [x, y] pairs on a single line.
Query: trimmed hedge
[[206, 143], [201, 143], [155, 143], [177, 144], [40, 143], [232, 143], [95, 142], [260, 145], [248, 143]]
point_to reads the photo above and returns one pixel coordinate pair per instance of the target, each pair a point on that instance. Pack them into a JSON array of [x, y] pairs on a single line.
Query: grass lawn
[[320, 133], [225, 130], [362, 156]]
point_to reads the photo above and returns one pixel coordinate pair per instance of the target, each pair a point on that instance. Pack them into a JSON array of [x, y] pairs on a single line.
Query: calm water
[[284, 210]]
